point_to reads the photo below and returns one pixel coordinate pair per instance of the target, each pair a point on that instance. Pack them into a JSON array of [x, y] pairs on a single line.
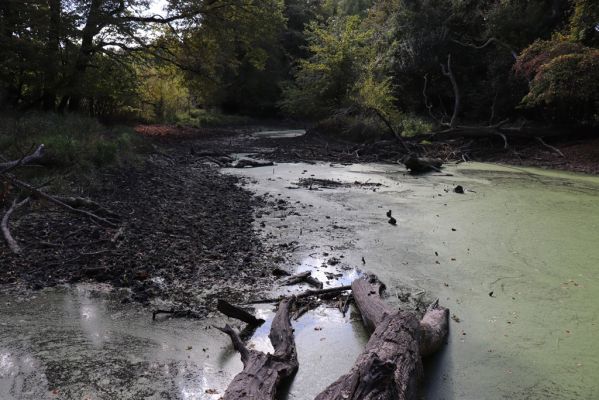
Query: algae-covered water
[[515, 258]]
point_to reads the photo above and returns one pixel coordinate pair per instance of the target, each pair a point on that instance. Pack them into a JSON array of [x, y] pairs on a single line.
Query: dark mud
[[186, 236]]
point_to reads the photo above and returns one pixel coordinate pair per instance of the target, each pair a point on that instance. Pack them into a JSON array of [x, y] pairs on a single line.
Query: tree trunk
[[52, 49], [390, 367], [93, 25], [263, 373]]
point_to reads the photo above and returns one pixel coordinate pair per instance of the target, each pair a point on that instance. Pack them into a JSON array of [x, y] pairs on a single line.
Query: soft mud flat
[[515, 259], [527, 236]]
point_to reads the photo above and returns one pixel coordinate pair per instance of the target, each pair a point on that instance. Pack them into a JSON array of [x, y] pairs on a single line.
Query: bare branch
[[447, 71], [550, 147], [10, 240], [10, 165]]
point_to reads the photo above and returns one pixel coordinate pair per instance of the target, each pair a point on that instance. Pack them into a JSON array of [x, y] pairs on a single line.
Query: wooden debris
[[263, 373], [238, 313], [390, 367]]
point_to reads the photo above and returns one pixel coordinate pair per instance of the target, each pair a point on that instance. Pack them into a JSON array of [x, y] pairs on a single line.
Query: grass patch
[[72, 141]]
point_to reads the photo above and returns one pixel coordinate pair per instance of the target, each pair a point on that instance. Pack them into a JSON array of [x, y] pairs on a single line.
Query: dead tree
[[263, 373], [390, 367], [448, 72]]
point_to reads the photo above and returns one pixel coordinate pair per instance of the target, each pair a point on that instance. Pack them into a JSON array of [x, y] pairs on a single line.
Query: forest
[[299, 199], [422, 65]]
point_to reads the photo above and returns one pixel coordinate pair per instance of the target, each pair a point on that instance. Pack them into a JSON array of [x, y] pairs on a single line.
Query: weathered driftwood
[[236, 312], [10, 240], [303, 277], [390, 367], [263, 373]]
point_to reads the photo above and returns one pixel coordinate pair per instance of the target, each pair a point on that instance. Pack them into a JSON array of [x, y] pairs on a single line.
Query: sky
[[157, 7]]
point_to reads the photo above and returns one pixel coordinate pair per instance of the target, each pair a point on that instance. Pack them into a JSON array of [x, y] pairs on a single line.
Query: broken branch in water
[[390, 367], [239, 313], [263, 373]]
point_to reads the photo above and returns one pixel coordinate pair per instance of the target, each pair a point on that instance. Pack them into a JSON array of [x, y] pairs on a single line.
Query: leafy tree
[[326, 81]]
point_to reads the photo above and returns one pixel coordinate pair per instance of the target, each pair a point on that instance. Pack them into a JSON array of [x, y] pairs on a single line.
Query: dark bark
[[263, 373], [92, 27], [52, 56], [236, 312], [390, 367]]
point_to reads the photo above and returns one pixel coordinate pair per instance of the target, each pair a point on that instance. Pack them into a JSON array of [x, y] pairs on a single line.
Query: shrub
[[564, 80], [70, 140]]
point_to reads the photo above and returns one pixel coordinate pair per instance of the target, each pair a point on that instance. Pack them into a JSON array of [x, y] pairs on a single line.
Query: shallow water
[[517, 264], [528, 236]]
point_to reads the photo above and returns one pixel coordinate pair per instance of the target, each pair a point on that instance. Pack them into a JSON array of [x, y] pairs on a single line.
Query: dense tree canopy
[[441, 60]]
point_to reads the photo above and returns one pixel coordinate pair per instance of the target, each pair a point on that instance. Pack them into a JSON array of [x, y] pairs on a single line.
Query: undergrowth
[[73, 142]]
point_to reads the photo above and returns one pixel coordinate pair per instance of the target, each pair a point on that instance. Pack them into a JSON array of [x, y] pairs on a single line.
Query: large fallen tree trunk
[[390, 367], [263, 373]]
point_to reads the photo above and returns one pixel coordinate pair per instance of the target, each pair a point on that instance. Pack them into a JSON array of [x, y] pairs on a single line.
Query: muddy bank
[[186, 236]]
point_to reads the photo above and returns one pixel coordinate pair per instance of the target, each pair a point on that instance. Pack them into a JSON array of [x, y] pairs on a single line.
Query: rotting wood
[[263, 373], [390, 367], [238, 313], [10, 240]]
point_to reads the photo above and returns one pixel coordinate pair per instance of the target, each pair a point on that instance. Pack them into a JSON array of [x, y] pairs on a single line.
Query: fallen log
[[10, 240], [263, 373], [390, 367], [236, 312]]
